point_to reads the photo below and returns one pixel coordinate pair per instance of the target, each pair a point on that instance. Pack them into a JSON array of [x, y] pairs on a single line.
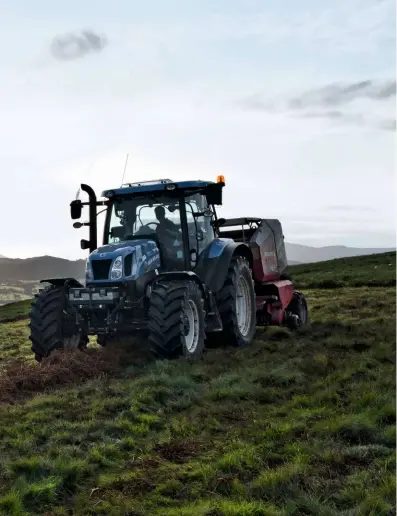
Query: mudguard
[[60, 282], [213, 263], [181, 275]]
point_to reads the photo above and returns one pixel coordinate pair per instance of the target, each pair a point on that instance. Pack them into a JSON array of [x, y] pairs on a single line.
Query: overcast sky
[[294, 102]]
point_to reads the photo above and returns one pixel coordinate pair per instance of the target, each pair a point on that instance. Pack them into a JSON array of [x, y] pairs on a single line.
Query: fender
[[213, 263], [213, 319], [181, 275], [61, 282]]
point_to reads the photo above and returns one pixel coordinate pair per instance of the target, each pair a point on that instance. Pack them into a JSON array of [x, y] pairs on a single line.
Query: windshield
[[159, 218], [140, 217]]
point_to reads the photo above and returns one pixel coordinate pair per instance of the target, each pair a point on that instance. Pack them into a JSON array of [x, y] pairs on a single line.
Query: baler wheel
[[298, 308]]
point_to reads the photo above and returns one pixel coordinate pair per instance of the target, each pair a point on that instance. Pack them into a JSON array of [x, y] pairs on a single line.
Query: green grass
[[377, 270], [295, 424], [14, 311]]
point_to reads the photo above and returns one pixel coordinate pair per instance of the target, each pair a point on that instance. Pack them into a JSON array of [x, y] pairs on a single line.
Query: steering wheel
[[148, 225], [141, 231]]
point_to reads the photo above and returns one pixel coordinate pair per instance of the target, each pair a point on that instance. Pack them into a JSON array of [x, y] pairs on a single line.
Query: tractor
[[171, 270]]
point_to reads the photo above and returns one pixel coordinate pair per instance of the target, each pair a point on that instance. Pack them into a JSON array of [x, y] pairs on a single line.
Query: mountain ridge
[[38, 267]]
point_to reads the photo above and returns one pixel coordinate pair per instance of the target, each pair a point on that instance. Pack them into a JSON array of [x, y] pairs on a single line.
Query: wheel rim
[[243, 306], [191, 326]]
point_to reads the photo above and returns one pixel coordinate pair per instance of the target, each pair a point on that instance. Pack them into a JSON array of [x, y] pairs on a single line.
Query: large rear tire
[[52, 323], [176, 319], [237, 305]]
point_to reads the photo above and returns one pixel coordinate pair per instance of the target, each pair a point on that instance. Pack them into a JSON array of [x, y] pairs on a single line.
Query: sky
[[293, 102]]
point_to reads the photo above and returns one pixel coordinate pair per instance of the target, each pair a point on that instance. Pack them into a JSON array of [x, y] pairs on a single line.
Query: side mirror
[[76, 209], [84, 244]]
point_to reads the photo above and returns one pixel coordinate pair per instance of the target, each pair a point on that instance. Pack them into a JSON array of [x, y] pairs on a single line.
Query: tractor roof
[[157, 185]]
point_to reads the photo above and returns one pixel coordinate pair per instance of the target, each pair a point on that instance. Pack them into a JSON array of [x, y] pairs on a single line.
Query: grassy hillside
[[15, 311], [295, 424], [372, 270]]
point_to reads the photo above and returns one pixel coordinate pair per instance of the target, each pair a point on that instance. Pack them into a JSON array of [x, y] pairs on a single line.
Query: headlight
[[116, 272], [89, 275]]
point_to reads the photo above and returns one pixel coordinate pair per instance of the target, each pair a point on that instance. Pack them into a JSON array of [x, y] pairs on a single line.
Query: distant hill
[[306, 254], [30, 269]]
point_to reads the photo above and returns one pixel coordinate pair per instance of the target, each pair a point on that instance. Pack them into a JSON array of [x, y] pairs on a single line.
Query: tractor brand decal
[[270, 260]]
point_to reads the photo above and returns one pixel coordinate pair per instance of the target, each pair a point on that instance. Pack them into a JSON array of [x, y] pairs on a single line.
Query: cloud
[[332, 102], [71, 46], [351, 118], [338, 94]]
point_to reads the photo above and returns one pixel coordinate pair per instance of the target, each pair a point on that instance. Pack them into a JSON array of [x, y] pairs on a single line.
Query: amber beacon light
[[220, 179]]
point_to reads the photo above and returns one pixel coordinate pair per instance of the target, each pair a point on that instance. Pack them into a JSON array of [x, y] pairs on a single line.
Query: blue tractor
[[168, 269]]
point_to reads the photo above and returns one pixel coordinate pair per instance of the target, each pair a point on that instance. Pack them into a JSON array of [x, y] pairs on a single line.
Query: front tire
[[237, 305], [176, 319], [52, 324]]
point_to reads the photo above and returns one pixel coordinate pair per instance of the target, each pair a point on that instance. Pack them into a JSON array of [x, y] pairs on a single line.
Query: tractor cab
[[178, 216]]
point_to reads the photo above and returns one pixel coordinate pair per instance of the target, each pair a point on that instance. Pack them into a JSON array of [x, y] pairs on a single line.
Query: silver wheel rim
[[243, 306], [72, 342], [192, 333]]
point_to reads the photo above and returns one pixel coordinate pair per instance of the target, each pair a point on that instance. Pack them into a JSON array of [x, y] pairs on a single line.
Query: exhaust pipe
[[92, 216]]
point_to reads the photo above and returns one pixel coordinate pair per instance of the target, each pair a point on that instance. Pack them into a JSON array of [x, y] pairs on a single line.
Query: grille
[[100, 269], [128, 264]]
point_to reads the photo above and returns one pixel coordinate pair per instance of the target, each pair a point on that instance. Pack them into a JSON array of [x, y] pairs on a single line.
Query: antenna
[[125, 168]]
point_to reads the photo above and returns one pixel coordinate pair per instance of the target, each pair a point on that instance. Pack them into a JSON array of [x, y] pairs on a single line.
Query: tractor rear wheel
[[237, 305], [52, 323], [176, 319]]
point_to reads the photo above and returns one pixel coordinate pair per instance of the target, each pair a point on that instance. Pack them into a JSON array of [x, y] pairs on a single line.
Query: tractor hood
[[122, 261]]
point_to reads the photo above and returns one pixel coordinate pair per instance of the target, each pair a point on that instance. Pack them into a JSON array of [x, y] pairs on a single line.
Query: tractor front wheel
[[52, 325], [176, 319]]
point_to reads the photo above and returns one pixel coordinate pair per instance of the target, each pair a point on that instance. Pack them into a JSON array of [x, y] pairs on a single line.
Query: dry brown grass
[[60, 369], [65, 368]]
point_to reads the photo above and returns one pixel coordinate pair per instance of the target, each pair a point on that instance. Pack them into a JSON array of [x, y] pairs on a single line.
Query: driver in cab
[[166, 229]]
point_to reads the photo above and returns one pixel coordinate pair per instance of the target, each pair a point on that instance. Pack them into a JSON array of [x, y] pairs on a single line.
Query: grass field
[[296, 424]]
